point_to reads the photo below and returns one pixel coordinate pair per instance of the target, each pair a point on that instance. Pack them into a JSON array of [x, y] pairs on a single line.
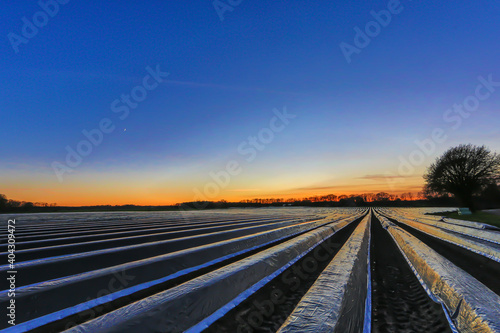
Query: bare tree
[[382, 196], [463, 171]]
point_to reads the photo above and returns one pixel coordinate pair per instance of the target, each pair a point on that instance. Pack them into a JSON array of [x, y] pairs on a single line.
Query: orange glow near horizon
[[141, 197], [157, 187]]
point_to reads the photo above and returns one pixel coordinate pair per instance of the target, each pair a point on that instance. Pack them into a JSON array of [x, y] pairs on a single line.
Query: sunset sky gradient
[[353, 123]]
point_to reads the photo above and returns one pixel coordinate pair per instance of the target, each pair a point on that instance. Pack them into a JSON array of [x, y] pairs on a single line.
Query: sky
[[159, 102]]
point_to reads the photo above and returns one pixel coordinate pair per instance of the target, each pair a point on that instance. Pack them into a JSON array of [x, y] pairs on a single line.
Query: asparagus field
[[284, 269]]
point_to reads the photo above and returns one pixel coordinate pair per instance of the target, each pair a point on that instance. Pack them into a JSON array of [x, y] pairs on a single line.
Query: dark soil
[[399, 302]]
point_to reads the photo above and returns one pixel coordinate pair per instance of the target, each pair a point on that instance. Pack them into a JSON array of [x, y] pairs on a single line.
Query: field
[[251, 270], [484, 217]]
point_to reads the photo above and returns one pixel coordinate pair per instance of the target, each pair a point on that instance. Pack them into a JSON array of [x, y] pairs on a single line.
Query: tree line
[[466, 175], [365, 197], [9, 205]]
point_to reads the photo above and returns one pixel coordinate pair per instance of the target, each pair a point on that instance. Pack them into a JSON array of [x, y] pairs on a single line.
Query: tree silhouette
[[463, 171], [382, 196], [3, 202]]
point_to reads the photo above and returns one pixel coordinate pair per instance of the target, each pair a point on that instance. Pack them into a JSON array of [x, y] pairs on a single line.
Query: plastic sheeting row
[[112, 250], [74, 293], [484, 234], [485, 248], [470, 305], [51, 268], [337, 302], [421, 214], [470, 224], [199, 302]]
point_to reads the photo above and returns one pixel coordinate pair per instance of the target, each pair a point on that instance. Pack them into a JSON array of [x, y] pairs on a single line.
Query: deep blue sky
[[353, 120]]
